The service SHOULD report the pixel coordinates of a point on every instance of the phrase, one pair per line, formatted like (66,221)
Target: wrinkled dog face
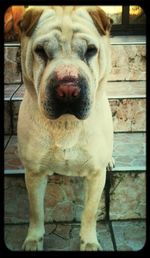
(65,58)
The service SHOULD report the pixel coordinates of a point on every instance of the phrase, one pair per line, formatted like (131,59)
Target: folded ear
(30,19)
(102,22)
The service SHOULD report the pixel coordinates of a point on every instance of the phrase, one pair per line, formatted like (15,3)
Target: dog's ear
(102,22)
(29,20)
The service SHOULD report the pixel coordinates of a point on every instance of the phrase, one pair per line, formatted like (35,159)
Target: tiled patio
(128,235)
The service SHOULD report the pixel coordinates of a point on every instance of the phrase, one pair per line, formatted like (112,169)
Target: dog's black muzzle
(69,95)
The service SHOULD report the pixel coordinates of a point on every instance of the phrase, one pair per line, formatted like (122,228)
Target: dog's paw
(111,165)
(33,245)
(90,246)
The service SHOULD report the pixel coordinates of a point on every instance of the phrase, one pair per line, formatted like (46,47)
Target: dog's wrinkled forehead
(62,14)
(66,20)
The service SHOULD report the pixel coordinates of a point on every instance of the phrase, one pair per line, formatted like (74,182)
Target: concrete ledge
(113,40)
(128,40)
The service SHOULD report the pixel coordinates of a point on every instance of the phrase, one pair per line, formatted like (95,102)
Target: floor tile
(129,235)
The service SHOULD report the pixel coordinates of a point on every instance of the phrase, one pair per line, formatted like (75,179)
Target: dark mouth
(68,96)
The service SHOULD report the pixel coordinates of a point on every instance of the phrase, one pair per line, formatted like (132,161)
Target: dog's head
(65,56)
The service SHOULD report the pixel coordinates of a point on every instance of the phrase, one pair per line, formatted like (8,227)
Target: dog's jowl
(65,56)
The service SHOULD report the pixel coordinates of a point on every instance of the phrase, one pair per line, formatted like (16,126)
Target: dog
(65,122)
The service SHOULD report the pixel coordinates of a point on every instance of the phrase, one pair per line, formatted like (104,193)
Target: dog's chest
(70,161)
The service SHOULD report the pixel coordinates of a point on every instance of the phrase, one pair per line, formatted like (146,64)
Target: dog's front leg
(36,185)
(93,189)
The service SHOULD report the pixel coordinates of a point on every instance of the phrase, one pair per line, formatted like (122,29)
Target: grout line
(112,235)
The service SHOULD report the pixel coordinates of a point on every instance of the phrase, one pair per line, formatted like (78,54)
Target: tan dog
(65,122)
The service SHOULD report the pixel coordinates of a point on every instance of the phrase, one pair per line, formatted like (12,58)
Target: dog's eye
(90,52)
(41,52)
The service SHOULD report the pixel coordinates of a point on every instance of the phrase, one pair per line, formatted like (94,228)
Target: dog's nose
(67,91)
